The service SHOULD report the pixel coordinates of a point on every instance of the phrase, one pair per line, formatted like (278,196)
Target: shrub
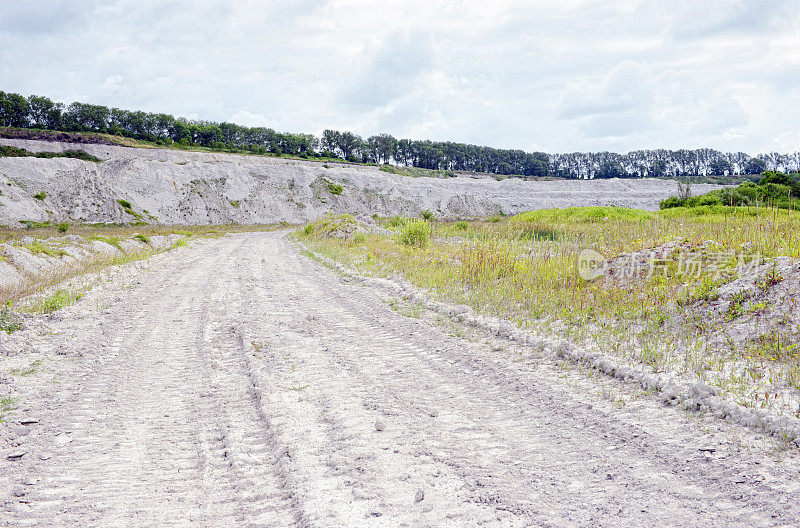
(125,204)
(426,214)
(308,230)
(63,227)
(40,195)
(141,238)
(415,233)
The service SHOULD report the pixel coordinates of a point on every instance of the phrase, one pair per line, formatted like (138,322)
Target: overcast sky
(556,76)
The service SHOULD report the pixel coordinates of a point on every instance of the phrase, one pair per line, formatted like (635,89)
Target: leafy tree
(14,110)
(44,113)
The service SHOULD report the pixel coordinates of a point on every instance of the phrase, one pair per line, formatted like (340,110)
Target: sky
(552,76)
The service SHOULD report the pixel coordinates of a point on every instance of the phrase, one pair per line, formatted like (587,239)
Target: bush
(142,238)
(733,197)
(62,227)
(125,204)
(672,201)
(426,214)
(415,233)
(40,195)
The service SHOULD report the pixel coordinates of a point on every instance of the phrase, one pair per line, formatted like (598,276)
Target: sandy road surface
(238,383)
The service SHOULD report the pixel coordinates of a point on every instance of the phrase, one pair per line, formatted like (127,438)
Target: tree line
(42,113)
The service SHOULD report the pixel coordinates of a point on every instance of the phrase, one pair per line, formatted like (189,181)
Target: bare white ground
(238,383)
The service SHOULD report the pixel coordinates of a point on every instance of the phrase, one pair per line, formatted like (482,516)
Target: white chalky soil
(238,383)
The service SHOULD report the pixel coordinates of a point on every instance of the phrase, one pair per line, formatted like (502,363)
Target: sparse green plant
(142,238)
(461,225)
(7,322)
(125,204)
(6,406)
(110,240)
(27,371)
(235,203)
(40,195)
(308,230)
(63,227)
(426,214)
(335,188)
(53,302)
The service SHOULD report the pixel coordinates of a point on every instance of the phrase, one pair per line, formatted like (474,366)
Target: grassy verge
(524,269)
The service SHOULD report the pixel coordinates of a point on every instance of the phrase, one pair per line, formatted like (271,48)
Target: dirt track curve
(239,383)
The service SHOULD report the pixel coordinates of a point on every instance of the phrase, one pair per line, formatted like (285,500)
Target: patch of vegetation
(331,226)
(426,214)
(54,302)
(773,189)
(335,188)
(110,240)
(125,204)
(417,172)
(7,322)
(63,227)
(6,406)
(40,195)
(27,371)
(142,238)
(33,224)
(37,248)
(234,203)
(584,215)
(415,233)
(14,152)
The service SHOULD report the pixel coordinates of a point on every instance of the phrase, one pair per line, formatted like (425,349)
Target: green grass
(37,248)
(40,195)
(125,204)
(584,215)
(142,238)
(53,302)
(6,406)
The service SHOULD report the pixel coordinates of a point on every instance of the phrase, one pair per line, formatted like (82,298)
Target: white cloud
(554,76)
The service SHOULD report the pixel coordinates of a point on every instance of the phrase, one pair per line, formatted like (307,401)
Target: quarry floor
(236,382)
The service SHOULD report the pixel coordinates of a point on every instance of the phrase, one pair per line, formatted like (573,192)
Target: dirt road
(236,382)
